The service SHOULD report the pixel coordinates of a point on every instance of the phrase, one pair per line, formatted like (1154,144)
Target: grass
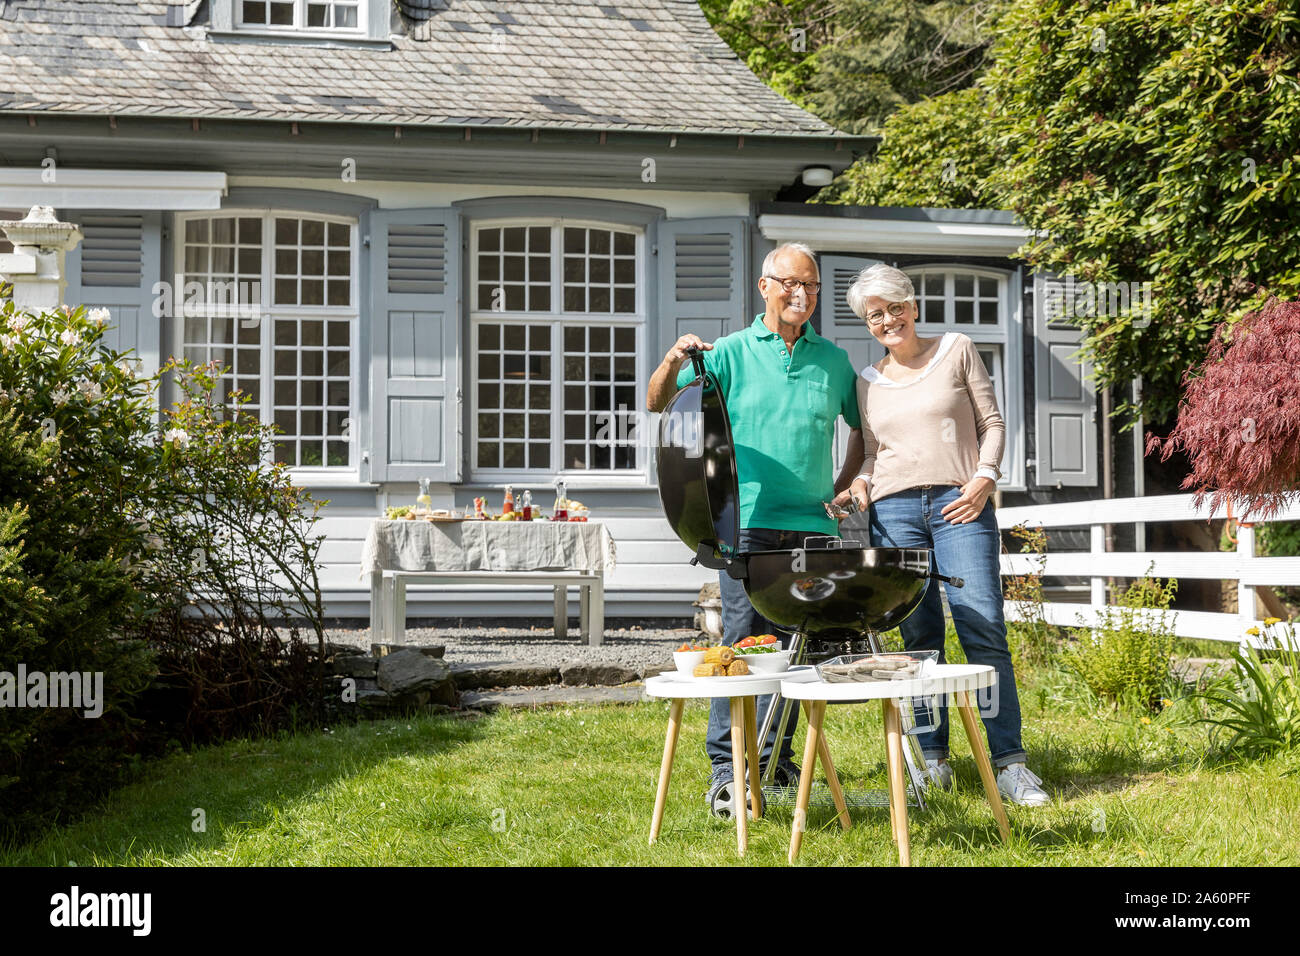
(576,787)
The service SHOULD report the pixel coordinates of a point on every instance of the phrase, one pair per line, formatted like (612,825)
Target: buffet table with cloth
(558,554)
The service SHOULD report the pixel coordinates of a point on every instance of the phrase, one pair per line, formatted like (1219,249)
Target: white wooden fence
(1098,564)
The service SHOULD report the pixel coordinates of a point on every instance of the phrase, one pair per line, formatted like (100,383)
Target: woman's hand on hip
(974,494)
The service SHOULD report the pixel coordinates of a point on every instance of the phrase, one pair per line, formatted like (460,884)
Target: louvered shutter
(116,266)
(1065,405)
(415,342)
(702,278)
(841,325)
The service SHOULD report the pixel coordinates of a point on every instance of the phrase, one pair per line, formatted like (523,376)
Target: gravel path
(521,640)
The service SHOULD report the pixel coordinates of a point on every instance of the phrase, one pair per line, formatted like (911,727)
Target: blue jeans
(740,620)
(914,519)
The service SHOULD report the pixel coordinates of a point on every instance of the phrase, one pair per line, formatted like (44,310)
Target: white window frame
(299,26)
(305,475)
(557,318)
(1008,333)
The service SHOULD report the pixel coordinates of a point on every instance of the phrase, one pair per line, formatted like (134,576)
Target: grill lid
(697,469)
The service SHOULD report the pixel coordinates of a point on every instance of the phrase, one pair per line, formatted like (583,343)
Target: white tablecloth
(487,546)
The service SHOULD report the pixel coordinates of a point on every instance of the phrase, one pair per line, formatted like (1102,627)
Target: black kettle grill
(838,592)
(830,587)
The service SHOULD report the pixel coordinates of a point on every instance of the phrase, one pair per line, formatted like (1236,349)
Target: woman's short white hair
(770,261)
(882,281)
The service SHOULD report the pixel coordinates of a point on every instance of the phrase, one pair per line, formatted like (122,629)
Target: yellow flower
(1253,631)
(1146,720)
(1270,621)
(1165,702)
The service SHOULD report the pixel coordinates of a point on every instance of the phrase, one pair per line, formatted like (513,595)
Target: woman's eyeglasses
(877,319)
(791,284)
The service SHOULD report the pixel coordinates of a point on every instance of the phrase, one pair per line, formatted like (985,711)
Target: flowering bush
(160,549)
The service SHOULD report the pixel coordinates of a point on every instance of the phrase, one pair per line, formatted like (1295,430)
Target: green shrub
(1031,639)
(165,552)
(1125,659)
(1258,703)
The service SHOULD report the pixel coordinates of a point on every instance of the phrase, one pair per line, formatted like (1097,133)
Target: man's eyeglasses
(791,284)
(877,319)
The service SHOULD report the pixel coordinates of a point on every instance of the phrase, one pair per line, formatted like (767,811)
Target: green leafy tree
(852,62)
(933,153)
(1153,142)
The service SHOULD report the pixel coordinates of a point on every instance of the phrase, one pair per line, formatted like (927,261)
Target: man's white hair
(769,263)
(882,281)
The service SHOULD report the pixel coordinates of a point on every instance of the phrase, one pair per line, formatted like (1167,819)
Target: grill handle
(946,579)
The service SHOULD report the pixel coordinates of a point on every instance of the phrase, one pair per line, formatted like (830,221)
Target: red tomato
(767,639)
(746,642)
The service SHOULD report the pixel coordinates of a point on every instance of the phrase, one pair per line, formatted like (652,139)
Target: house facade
(451,240)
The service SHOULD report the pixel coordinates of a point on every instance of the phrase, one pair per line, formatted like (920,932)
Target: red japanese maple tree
(1239,421)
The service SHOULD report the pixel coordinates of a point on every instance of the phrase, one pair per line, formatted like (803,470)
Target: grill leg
(786,710)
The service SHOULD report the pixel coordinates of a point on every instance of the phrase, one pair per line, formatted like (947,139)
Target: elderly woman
(934,440)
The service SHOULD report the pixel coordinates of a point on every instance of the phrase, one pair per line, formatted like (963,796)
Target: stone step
(552,696)
(479,676)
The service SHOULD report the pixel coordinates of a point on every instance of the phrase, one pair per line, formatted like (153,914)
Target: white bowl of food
(764,655)
(687,659)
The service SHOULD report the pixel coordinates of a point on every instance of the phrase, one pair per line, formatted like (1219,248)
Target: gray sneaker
(940,773)
(1020,785)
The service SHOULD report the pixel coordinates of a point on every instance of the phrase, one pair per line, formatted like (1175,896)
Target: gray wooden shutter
(702,280)
(116,266)
(842,326)
(1065,405)
(415,344)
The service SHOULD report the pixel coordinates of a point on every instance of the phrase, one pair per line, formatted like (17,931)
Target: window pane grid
(599,270)
(956,298)
(313,262)
(514,269)
(312,14)
(598,397)
(305,360)
(514,396)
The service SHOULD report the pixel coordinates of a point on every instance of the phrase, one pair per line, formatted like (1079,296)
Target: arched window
(557,333)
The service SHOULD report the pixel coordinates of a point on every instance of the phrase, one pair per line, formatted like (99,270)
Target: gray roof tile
(631,64)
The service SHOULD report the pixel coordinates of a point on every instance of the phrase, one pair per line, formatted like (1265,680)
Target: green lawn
(576,787)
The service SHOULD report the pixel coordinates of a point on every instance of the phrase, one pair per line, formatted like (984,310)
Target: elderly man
(784,386)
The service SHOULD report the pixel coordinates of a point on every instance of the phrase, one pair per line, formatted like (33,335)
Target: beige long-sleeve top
(941,428)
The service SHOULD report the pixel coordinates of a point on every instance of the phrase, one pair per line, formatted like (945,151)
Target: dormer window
(309,15)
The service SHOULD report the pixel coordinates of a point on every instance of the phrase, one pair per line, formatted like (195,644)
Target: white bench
(388,597)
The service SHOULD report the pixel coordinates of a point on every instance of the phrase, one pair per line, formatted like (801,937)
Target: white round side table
(955,680)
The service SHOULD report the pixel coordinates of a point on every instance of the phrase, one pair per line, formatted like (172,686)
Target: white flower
(90,389)
(178,435)
(8,341)
(100,316)
(19,322)
(69,337)
(4,396)
(60,396)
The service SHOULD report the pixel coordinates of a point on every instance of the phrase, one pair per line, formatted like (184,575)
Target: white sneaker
(940,773)
(1018,784)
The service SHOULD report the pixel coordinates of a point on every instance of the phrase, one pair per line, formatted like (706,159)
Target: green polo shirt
(783,407)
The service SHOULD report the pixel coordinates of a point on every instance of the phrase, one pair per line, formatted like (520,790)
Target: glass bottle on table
(561,510)
(424,503)
(528,505)
(508,505)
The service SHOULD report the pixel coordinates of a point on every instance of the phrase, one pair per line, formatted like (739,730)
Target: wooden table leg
(751,757)
(897,791)
(893,818)
(982,761)
(596,611)
(738,772)
(666,766)
(815,715)
(377,606)
(832,778)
